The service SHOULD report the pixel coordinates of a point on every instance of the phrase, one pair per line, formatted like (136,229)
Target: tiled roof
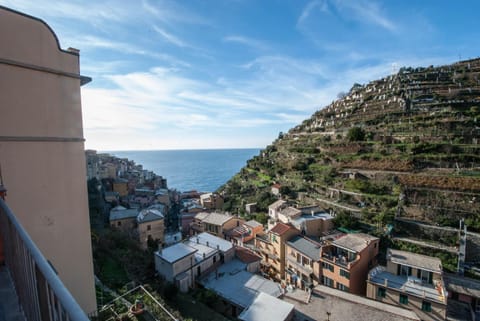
(281,228)
(306,246)
(246,256)
(355,242)
(217,218)
(415,260)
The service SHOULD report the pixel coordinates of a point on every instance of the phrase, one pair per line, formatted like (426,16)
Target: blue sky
(234,73)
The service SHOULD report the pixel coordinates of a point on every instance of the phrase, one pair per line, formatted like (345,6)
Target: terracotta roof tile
(281,228)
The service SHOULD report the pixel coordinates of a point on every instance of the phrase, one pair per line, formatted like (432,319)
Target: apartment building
(244,234)
(151,226)
(411,281)
(42,147)
(123,219)
(184,263)
(214,223)
(346,261)
(272,248)
(211,201)
(303,266)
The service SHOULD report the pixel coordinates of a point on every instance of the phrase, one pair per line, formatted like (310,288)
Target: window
(328,266)
(426,306)
(327,281)
(403,299)
(149,227)
(119,223)
(214,259)
(425,276)
(405,270)
(381,292)
(299,258)
(345,274)
(342,287)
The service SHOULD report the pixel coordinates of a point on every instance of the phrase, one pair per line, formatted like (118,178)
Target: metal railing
(40,291)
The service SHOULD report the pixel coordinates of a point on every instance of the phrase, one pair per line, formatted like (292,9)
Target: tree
(356,134)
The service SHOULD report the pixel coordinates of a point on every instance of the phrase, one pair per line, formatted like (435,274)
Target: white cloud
(256,44)
(169,37)
(366,11)
(312,5)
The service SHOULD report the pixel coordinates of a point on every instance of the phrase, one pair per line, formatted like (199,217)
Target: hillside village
(358,206)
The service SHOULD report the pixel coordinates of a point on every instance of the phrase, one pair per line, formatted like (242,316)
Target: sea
(203,170)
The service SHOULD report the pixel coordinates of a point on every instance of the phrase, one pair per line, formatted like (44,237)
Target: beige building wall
(152,229)
(42,148)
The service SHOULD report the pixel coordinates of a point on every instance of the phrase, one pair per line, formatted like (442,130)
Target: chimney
(207,243)
(313,213)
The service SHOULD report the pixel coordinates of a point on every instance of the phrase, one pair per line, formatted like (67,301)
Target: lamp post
(328,316)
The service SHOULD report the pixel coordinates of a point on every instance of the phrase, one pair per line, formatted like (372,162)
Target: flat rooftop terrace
(346,306)
(410,285)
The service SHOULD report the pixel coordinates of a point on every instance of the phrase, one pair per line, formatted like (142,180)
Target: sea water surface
(185,170)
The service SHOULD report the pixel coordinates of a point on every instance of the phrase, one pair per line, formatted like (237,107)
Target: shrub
(356,134)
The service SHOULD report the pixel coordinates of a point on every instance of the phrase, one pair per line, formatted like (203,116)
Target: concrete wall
(42,148)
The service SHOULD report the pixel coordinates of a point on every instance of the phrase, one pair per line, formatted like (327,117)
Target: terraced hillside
(404,146)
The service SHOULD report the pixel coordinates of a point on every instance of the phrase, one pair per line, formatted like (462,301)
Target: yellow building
(42,152)
(411,281)
(272,248)
(151,226)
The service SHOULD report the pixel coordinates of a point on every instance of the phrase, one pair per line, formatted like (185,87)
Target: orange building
(347,260)
(272,248)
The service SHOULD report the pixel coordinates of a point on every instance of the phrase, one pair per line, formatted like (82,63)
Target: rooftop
(410,285)
(211,241)
(423,262)
(462,285)
(253,223)
(354,242)
(267,307)
(214,218)
(277,204)
(121,214)
(308,247)
(281,228)
(346,306)
(290,211)
(232,282)
(246,256)
(149,215)
(175,252)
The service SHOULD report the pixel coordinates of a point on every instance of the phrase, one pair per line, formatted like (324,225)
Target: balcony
(40,292)
(303,267)
(342,258)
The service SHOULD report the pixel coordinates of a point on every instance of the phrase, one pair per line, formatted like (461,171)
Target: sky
(234,73)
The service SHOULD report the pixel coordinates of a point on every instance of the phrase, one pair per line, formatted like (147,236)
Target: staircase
(10,309)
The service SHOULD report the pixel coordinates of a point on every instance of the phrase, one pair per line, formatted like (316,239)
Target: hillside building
(411,281)
(347,260)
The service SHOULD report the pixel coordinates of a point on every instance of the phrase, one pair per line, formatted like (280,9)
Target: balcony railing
(40,291)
